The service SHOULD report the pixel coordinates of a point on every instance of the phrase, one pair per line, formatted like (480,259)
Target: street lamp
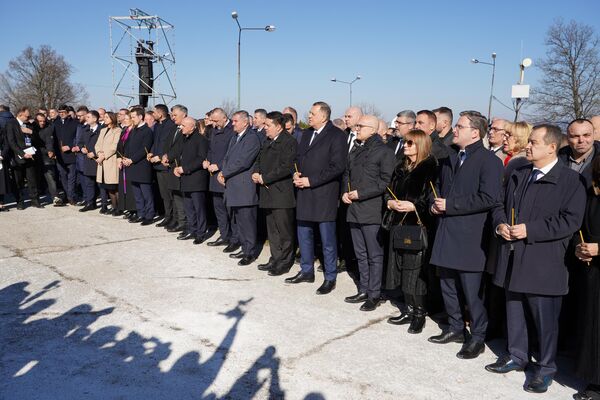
(493,64)
(347,83)
(268,28)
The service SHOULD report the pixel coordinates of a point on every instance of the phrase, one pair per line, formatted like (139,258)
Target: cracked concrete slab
(93,307)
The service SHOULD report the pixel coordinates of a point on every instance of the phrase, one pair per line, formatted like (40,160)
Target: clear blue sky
(410,54)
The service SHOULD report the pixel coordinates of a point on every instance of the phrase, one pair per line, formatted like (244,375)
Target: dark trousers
(68,178)
(346,250)
(368,247)
(195,212)
(307,247)
(244,220)
(165,194)
(88,185)
(28,171)
(179,208)
(50,178)
(545,311)
(144,199)
(451,281)
(222,216)
(280,230)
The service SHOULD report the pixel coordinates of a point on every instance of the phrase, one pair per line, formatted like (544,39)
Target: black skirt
(587,366)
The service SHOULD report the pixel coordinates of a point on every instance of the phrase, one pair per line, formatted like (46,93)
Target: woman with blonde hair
(515,141)
(107,174)
(408,210)
(126,199)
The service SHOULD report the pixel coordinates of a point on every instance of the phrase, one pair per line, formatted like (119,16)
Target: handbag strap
(416,213)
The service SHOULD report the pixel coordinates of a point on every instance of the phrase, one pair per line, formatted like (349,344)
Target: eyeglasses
(459,127)
(409,143)
(403,123)
(492,129)
(359,126)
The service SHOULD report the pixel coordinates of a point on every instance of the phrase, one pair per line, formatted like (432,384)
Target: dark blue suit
(460,244)
(533,270)
(163,137)
(323,162)
(219,143)
(64,135)
(88,140)
(140,171)
(240,192)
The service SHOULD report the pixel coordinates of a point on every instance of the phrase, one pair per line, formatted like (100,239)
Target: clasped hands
(401,205)
(300,182)
(585,251)
(257,178)
(439,206)
(514,232)
(348,197)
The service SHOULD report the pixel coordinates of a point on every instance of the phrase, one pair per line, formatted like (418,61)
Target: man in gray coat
(240,192)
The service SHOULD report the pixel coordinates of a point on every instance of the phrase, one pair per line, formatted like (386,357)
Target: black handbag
(410,237)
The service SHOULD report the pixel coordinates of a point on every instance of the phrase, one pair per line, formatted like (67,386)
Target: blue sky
(409,54)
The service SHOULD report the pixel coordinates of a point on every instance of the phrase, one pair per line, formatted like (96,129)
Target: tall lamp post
(268,28)
(347,83)
(493,64)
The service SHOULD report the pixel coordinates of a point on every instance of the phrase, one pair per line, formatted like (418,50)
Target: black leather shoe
(246,260)
(300,277)
(146,222)
(404,318)
(539,384)
(591,392)
(418,322)
(185,236)
(200,239)
(471,349)
(231,247)
(266,266)
(448,337)
(278,271)
(370,305)
(219,242)
(239,254)
(503,365)
(357,298)
(87,207)
(326,287)
(80,203)
(104,210)
(135,220)
(20,205)
(177,228)
(36,204)
(164,222)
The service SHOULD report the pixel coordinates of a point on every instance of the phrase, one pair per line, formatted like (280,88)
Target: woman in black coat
(407,269)
(587,366)
(126,198)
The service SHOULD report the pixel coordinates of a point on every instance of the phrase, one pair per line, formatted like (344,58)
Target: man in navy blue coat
(65,129)
(241,195)
(322,155)
(469,186)
(219,143)
(139,170)
(544,206)
(87,143)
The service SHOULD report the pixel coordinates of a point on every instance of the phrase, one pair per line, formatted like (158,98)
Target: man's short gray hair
(181,108)
(409,114)
(242,113)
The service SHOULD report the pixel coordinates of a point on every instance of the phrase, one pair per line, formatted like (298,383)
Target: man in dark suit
(45,136)
(322,156)
(65,130)
(194,180)
(582,149)
(368,173)
(544,206)
(240,192)
(443,127)
(260,117)
(163,128)
(496,138)
(139,170)
(295,130)
(87,143)
(273,172)
(170,150)
(469,186)
(79,156)
(219,143)
(404,122)
(427,122)
(20,140)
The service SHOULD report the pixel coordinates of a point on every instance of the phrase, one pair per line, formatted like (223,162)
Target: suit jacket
(89,139)
(44,142)
(566,152)
(193,152)
(163,131)
(297,133)
(135,147)
(323,162)
(276,164)
(65,131)
(172,148)
(369,171)
(219,143)
(439,149)
(17,142)
(392,143)
(237,168)
(552,210)
(471,191)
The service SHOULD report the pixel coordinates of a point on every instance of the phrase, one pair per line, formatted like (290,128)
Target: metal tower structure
(143,58)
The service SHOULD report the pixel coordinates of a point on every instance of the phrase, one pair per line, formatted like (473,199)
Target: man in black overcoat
(87,143)
(65,130)
(47,164)
(543,207)
(469,186)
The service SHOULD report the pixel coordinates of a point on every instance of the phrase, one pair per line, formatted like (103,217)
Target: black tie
(461,158)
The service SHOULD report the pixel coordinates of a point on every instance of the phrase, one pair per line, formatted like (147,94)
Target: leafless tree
(229,106)
(40,78)
(370,109)
(570,87)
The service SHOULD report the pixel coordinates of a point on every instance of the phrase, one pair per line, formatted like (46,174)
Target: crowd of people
(495,223)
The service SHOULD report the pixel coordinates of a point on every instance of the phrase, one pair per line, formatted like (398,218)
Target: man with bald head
(596,123)
(582,148)
(368,173)
(427,122)
(193,180)
(351,118)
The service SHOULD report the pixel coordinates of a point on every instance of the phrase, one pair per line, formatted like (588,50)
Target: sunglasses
(409,143)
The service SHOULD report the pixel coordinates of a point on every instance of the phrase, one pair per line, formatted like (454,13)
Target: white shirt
(315,134)
(351,137)
(545,170)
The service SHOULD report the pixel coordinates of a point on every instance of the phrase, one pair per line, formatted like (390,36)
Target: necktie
(312,138)
(533,177)
(461,158)
(351,143)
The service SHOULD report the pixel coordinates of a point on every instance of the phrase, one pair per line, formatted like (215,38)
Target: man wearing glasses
(496,138)
(65,130)
(469,186)
(404,122)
